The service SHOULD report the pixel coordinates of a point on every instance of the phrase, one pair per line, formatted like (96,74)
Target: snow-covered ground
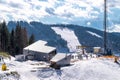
(69,36)
(92,69)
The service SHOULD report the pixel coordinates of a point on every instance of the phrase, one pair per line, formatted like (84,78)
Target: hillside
(92,69)
(64,36)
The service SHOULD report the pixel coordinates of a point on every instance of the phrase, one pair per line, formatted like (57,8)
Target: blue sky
(81,12)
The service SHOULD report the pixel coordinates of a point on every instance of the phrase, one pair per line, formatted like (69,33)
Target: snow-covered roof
(97,47)
(59,57)
(40,46)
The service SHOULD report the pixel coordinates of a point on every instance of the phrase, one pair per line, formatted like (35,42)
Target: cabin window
(44,57)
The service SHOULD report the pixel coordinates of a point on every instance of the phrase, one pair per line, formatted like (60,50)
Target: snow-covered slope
(94,34)
(69,36)
(65,37)
(92,69)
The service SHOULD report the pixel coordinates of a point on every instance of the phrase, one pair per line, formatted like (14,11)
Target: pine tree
(12,43)
(24,37)
(21,39)
(4,36)
(18,40)
(0,37)
(31,39)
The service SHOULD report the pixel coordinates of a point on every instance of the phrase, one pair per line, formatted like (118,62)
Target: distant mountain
(115,28)
(86,36)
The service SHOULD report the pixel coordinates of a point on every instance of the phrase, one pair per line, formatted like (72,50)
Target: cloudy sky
(80,12)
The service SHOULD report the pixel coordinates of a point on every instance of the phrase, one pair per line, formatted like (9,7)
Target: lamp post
(105,24)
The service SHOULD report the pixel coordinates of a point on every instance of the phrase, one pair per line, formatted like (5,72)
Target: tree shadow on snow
(117,63)
(45,73)
(59,72)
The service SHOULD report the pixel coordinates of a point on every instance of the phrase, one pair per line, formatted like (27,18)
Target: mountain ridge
(86,36)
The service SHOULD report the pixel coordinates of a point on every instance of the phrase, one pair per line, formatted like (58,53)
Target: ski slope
(69,36)
(92,69)
(94,34)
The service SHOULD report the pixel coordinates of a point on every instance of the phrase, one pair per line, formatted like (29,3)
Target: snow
(69,36)
(91,69)
(94,34)
(115,28)
(59,57)
(40,46)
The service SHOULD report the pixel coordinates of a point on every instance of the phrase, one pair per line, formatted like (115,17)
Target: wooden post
(115,59)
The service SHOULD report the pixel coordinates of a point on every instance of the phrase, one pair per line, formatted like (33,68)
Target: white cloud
(78,8)
(88,23)
(113,3)
(66,9)
(21,10)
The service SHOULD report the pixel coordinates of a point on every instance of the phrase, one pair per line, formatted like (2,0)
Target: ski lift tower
(81,49)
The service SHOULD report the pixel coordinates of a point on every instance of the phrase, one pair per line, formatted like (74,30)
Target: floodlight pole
(105,24)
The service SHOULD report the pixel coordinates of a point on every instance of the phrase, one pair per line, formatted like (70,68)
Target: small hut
(20,57)
(97,49)
(60,60)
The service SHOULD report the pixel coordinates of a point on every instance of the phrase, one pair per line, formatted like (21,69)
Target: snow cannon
(4,67)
